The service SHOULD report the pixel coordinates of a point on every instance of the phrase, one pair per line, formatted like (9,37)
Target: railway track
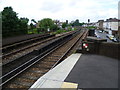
(12,49)
(24,49)
(28,75)
(9,47)
(16,65)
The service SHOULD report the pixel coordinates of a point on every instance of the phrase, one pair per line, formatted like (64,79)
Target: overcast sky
(64,9)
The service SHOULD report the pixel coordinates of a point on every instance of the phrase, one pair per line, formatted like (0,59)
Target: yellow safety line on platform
(69,85)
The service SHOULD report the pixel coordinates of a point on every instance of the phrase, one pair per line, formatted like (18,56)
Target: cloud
(52,7)
(64,9)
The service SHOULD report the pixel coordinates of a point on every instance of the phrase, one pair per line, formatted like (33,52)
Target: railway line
(14,45)
(29,71)
(17,62)
(22,48)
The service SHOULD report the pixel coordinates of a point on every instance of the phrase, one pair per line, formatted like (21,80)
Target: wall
(110,50)
(107,49)
(101,25)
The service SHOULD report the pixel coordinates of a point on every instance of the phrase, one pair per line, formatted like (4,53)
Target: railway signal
(88,20)
(85,46)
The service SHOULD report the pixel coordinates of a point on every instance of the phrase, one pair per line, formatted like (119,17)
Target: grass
(63,31)
(91,27)
(34,31)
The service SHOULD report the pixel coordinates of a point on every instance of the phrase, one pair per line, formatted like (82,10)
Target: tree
(56,22)
(64,25)
(54,27)
(9,20)
(76,23)
(11,24)
(32,27)
(82,24)
(46,23)
(33,20)
(23,25)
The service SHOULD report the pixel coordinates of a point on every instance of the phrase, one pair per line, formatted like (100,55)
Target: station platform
(81,71)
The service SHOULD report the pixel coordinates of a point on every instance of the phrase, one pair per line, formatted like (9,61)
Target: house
(37,24)
(111,24)
(100,24)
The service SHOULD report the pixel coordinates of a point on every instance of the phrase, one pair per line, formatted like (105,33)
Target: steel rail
(32,61)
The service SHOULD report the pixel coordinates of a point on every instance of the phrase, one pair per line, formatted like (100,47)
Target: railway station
(58,44)
(75,59)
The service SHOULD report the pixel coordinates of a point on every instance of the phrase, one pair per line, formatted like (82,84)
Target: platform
(11,40)
(81,71)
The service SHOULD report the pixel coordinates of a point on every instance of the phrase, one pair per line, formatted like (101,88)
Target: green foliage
(11,24)
(77,23)
(63,31)
(82,24)
(91,27)
(23,27)
(70,29)
(33,20)
(31,26)
(54,27)
(64,25)
(34,31)
(47,23)
(60,31)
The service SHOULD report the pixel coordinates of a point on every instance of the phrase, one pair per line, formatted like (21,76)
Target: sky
(64,9)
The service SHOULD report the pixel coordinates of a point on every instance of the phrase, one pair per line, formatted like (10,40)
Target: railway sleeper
(41,68)
(24,84)
(15,86)
(39,72)
(29,74)
(31,77)
(47,60)
(51,58)
(55,55)
(48,63)
(24,80)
